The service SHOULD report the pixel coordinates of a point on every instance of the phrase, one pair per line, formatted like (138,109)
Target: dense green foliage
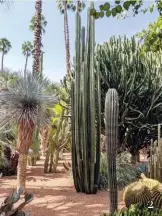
(122,7)
(151,36)
(137,80)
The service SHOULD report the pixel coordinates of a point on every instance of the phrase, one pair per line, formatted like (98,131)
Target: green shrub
(126,172)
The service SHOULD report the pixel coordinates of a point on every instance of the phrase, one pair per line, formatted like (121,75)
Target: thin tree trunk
(2,61)
(26,62)
(51,163)
(44,137)
(66,33)
(55,161)
(21,171)
(37,36)
(46,161)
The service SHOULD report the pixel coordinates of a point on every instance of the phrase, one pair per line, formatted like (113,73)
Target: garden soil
(55,195)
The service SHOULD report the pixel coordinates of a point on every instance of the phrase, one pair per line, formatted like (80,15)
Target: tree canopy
(151,36)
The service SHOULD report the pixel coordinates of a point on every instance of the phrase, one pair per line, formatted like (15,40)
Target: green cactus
(111,129)
(85,109)
(143,191)
(137,192)
(136,210)
(7,207)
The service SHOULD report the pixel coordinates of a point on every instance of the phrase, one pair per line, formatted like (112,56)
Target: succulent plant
(111,130)
(136,210)
(7,206)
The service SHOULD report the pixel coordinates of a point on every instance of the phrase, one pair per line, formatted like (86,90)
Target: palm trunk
(25,135)
(2,61)
(21,171)
(55,161)
(37,36)
(66,34)
(26,62)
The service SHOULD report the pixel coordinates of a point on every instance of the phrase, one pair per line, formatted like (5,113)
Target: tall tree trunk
(37,36)
(66,35)
(25,136)
(26,62)
(2,61)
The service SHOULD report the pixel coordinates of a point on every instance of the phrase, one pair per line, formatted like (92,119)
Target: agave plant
(26,103)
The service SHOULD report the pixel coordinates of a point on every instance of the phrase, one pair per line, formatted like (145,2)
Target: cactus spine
(85,105)
(111,129)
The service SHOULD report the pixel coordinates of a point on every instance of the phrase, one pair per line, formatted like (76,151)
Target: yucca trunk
(37,36)
(66,35)
(25,136)
(21,171)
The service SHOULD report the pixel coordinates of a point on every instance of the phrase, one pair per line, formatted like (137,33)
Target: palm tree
(5,47)
(25,103)
(63,6)
(37,36)
(27,49)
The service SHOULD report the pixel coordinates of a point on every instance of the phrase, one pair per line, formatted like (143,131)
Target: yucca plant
(26,103)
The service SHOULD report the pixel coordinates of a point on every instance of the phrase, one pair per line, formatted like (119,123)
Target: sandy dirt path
(54,194)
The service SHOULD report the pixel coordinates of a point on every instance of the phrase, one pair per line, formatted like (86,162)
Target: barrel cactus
(111,130)
(135,193)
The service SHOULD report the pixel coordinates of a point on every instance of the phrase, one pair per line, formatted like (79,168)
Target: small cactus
(7,206)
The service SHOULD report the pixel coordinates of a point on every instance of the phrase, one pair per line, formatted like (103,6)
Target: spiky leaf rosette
(26,102)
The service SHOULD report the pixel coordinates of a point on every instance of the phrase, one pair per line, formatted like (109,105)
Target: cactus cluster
(85,109)
(7,206)
(122,67)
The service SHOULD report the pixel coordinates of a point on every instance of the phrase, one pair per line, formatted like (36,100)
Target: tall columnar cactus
(85,110)
(111,129)
(155,160)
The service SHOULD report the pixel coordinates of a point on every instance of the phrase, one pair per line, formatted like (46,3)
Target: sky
(14,25)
